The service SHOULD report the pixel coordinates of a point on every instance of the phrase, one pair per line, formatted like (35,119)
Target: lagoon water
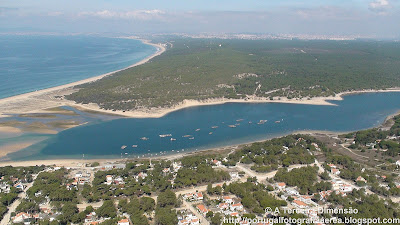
(103,139)
(29,63)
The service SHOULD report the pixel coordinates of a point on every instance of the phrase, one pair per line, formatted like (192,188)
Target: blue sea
(30,63)
(104,138)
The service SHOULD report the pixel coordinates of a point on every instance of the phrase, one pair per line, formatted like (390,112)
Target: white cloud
(136,14)
(379,6)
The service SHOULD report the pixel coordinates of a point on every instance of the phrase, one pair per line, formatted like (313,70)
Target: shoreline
(187,103)
(9,100)
(173,156)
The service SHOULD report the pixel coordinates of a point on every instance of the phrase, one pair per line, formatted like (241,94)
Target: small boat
(165,135)
(239,120)
(187,135)
(173,139)
(214,127)
(144,138)
(197,129)
(250,122)
(237,124)
(210,133)
(262,121)
(134,146)
(192,138)
(232,126)
(278,121)
(126,153)
(123,146)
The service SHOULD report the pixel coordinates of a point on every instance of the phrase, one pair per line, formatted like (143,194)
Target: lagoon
(104,139)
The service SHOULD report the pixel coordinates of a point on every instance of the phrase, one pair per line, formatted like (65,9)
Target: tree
(166,198)
(107,209)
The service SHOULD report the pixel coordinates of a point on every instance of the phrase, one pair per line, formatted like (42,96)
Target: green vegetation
(304,178)
(270,154)
(254,196)
(378,138)
(210,68)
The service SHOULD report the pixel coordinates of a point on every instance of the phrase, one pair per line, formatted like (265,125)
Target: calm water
(104,139)
(29,63)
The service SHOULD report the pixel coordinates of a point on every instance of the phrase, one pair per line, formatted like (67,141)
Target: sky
(375,18)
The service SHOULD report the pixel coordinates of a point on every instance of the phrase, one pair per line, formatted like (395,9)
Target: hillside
(211,68)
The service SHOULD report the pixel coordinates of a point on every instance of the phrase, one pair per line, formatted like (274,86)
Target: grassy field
(211,68)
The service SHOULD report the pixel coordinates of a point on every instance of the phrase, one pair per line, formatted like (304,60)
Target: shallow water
(104,139)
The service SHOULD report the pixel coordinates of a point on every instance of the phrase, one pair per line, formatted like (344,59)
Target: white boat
(250,122)
(191,138)
(144,138)
(262,121)
(214,127)
(210,133)
(188,135)
(239,120)
(173,139)
(197,129)
(165,135)
(134,146)
(232,126)
(123,146)
(278,121)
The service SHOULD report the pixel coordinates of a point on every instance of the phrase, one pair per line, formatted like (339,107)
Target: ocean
(30,63)
(192,128)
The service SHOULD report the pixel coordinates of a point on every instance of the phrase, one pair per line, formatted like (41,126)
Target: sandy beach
(38,101)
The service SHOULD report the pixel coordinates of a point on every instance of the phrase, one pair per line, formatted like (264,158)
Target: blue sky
(333,17)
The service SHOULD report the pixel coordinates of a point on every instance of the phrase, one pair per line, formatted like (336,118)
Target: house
(299,204)
(360,178)
(19,186)
(202,209)
(234,175)
(216,162)
(198,196)
(335,171)
(346,188)
(227,199)
(176,166)
(280,186)
(234,214)
(109,179)
(332,165)
(123,222)
(21,217)
(236,207)
(324,194)
(398,163)
(223,206)
(291,192)
(166,170)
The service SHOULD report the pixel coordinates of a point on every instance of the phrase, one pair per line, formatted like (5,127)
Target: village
(222,191)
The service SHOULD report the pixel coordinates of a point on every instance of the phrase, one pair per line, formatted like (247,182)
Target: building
(123,222)
(21,217)
(280,186)
(227,199)
(335,171)
(202,209)
(299,204)
(236,207)
(360,178)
